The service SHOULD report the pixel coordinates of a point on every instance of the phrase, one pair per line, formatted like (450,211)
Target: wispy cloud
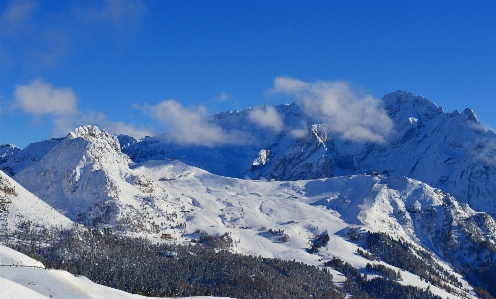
(191,125)
(300,132)
(29,42)
(118,13)
(34,36)
(41,99)
(267,118)
(354,117)
(15,19)
(224,96)
(116,127)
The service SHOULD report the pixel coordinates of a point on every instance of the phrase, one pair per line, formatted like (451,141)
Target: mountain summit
(87,178)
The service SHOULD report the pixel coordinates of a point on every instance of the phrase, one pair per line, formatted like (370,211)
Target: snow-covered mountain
(429,186)
(87,178)
(19,207)
(167,197)
(450,151)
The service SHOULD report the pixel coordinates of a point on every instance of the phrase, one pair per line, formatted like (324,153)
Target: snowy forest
(208,267)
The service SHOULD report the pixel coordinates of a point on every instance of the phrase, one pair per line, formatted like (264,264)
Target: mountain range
(428,185)
(450,151)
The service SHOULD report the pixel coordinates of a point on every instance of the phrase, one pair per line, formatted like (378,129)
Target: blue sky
(111,63)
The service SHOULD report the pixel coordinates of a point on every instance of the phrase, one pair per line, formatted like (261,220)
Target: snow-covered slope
(258,213)
(19,207)
(450,151)
(23,277)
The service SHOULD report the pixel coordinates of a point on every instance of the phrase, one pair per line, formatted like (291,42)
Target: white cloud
(190,125)
(289,85)
(41,98)
(266,118)
(354,117)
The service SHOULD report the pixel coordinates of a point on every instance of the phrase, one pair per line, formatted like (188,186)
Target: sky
(145,67)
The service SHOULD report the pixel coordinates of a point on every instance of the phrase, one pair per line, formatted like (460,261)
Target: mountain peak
(8,146)
(470,115)
(405,104)
(7,151)
(86,132)
(93,133)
